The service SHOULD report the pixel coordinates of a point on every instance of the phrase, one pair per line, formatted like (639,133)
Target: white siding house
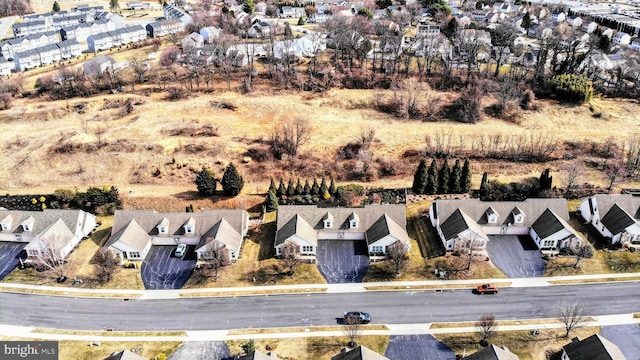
(614,217)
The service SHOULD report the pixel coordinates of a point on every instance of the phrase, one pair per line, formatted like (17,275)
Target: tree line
(429,180)
(232,182)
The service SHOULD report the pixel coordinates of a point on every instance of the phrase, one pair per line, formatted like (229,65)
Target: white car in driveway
(181,250)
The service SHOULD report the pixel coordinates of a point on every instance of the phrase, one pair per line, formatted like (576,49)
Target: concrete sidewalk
(223,335)
(330,288)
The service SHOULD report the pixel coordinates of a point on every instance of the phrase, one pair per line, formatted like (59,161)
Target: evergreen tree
(420,178)
(300,21)
(455,186)
(465,181)
(315,188)
(288,34)
(272,187)
(298,189)
(291,188)
(443,178)
(56,7)
(271,202)
(323,188)
(483,182)
(113,5)
(527,22)
(205,182)
(332,187)
(249,7)
(432,178)
(306,190)
(232,181)
(545,180)
(281,189)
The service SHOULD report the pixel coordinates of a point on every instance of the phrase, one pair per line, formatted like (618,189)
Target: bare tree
(140,66)
(99,132)
(290,257)
(290,136)
(48,254)
(502,38)
(105,265)
(615,170)
(397,256)
(366,137)
(487,326)
(214,257)
(352,329)
(583,252)
(572,314)
(572,174)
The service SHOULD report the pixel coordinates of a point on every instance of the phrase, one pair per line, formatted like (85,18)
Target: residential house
(574,21)
(137,5)
(210,33)
(60,22)
(70,48)
(463,20)
(504,8)
(259,30)
(99,42)
(28,28)
(135,231)
(305,46)
(358,353)
(79,32)
(6,67)
(56,230)
(593,347)
(615,217)
(558,16)
(588,26)
(468,223)
(621,38)
(26,60)
(608,32)
(49,54)
(173,13)
(292,12)
(125,355)
(378,225)
(98,65)
(635,44)
(428,30)
(12,46)
(117,20)
(319,17)
(493,352)
(163,28)
(102,26)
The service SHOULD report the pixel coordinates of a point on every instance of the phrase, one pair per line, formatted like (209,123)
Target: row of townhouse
(117,37)
(78,32)
(162,28)
(46,55)
(37,23)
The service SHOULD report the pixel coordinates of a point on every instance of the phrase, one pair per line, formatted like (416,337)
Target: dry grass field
(84,142)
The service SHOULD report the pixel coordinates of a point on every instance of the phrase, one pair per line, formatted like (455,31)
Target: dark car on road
(357,317)
(487,289)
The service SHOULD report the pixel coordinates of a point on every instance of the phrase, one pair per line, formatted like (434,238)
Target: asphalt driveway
(342,261)
(417,347)
(627,337)
(202,350)
(162,270)
(9,256)
(517,256)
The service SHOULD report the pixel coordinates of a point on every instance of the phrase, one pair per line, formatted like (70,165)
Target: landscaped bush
(572,88)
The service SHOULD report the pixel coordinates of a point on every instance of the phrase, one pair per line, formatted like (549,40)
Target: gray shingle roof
(296,226)
(595,347)
(626,202)
(126,355)
(41,219)
(314,217)
(616,219)
(493,352)
(458,222)
(359,353)
(548,224)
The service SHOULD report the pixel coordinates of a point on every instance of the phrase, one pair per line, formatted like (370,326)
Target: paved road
(393,307)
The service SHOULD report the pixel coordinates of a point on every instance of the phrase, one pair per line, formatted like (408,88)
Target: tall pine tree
(291,188)
(455,180)
(323,187)
(315,188)
(205,182)
(272,187)
(232,181)
(271,202)
(443,178)
(420,178)
(332,187)
(465,181)
(281,189)
(432,178)
(306,190)
(298,189)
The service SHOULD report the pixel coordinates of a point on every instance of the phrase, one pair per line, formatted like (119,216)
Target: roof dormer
(5,224)
(27,224)
(492,215)
(163,226)
(189,226)
(518,216)
(327,219)
(354,220)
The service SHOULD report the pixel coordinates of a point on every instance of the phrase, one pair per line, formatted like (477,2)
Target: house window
(26,227)
(519,218)
(377,249)
(162,230)
(493,219)
(134,255)
(548,243)
(307,249)
(188,229)
(33,252)
(18,237)
(354,224)
(327,224)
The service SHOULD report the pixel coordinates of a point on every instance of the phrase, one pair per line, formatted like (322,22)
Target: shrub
(572,88)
